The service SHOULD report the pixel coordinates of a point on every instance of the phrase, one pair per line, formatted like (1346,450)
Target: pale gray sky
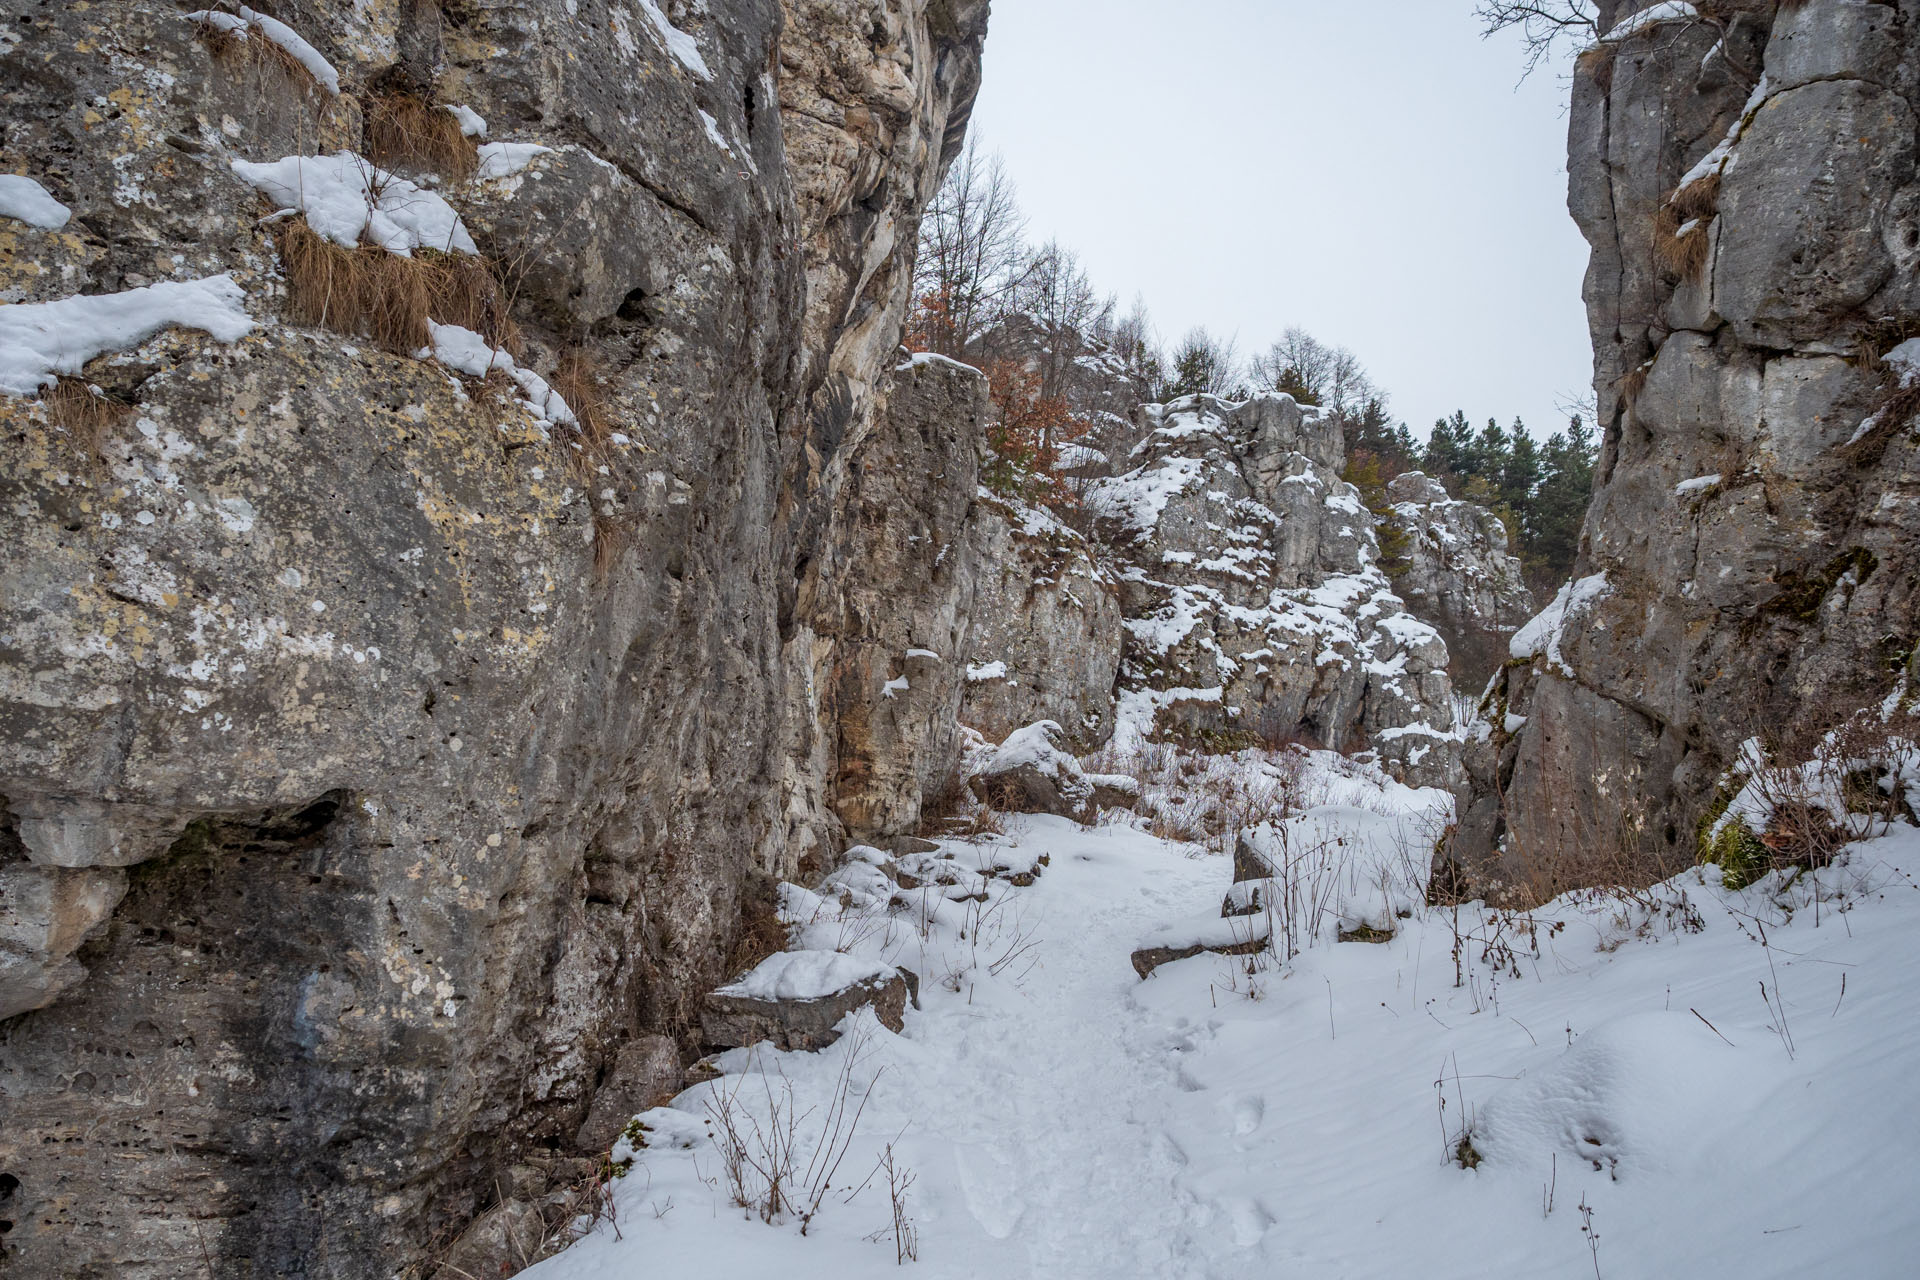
(1375,173)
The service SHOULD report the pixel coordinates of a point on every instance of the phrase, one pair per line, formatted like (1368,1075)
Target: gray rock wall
(376,761)
(1751,560)
(1047,628)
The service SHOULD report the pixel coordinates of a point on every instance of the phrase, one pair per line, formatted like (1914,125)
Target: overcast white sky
(1372,172)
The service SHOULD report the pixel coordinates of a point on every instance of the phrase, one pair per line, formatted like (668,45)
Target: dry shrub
(253,52)
(85,415)
(367,290)
(611,537)
(1853,784)
(404,129)
(1681,243)
(1632,383)
(578,382)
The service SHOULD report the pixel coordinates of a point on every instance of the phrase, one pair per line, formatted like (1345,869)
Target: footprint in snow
(990,1183)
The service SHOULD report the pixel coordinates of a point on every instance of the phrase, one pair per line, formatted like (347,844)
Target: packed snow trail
(1057,1095)
(1628,1092)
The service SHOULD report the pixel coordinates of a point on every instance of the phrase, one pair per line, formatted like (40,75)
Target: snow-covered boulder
(1032,773)
(1237,935)
(796,1000)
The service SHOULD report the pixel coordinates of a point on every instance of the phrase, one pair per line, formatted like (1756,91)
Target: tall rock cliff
(395,718)
(1750,565)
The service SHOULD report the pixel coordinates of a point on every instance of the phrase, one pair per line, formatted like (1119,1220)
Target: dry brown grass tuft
(1597,65)
(1698,199)
(404,129)
(577,379)
(611,537)
(367,290)
(253,53)
(1632,383)
(85,416)
(463,290)
(1681,243)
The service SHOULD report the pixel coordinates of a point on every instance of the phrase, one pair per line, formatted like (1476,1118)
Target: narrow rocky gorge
(497,538)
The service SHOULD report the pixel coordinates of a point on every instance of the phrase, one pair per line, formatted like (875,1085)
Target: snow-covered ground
(1690,1082)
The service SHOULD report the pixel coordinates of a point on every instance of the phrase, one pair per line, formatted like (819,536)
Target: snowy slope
(1064,1119)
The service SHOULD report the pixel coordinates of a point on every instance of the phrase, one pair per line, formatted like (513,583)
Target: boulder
(646,1074)
(796,1000)
(503,1241)
(1031,773)
(1237,935)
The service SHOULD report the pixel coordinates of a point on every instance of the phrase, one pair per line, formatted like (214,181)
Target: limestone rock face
(379,757)
(1751,560)
(1046,627)
(1255,601)
(1455,571)
(889,600)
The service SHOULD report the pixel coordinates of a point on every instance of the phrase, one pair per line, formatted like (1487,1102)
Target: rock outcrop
(386,746)
(886,603)
(1449,561)
(1046,626)
(1256,605)
(1750,564)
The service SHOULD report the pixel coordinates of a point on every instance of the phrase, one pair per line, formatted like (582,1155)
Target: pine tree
(1447,449)
(1559,505)
(1520,472)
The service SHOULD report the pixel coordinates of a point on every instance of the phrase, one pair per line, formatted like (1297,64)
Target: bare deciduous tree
(1542,23)
(1059,300)
(1134,340)
(1314,373)
(972,255)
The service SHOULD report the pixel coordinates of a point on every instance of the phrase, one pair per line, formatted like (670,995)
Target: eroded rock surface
(1046,627)
(1454,570)
(381,757)
(1751,560)
(1256,606)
